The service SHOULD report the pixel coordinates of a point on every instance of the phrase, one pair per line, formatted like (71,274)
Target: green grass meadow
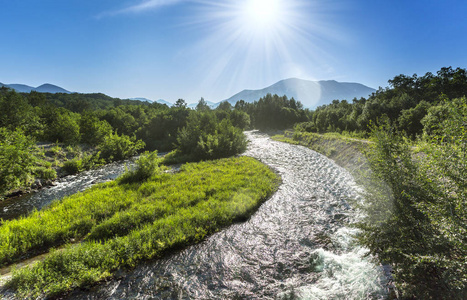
(118,224)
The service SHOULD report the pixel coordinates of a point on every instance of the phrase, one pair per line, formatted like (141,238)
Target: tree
(92,130)
(410,119)
(16,112)
(225,106)
(60,125)
(180,103)
(202,105)
(17,160)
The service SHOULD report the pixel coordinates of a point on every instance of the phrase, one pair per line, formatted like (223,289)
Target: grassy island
(146,213)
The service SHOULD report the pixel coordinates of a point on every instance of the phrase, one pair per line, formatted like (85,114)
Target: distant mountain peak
(310,93)
(50,88)
(45,88)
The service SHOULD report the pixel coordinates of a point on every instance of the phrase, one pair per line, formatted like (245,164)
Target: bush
(93,131)
(204,138)
(417,211)
(147,165)
(119,147)
(82,162)
(45,173)
(73,166)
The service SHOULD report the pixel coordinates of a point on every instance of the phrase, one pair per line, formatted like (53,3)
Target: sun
(249,42)
(262,13)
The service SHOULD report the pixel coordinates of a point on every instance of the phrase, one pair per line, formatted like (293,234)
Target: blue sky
(174,49)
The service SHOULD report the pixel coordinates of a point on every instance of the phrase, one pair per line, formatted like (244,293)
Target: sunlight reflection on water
(298,244)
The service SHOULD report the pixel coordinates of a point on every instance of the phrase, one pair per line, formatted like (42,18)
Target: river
(68,185)
(298,245)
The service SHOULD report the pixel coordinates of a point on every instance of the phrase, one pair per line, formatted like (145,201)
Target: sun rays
(251,43)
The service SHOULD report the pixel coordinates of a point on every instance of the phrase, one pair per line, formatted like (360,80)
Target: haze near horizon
(174,49)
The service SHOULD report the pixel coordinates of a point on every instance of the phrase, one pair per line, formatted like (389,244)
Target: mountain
(161,101)
(209,103)
(50,88)
(45,88)
(20,88)
(142,99)
(311,93)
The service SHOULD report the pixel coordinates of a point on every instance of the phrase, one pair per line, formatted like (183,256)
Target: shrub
(147,165)
(73,166)
(417,211)
(118,147)
(45,173)
(205,138)
(61,125)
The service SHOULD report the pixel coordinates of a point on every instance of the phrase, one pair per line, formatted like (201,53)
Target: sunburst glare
(262,14)
(272,40)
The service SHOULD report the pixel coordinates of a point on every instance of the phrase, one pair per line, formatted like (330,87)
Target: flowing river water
(298,245)
(20,206)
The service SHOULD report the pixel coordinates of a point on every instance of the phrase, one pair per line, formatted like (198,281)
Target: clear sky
(190,49)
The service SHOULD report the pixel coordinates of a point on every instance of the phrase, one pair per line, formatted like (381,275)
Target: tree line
(99,129)
(412,104)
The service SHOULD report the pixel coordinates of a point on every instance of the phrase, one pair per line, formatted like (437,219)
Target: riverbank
(124,222)
(53,161)
(345,151)
(45,163)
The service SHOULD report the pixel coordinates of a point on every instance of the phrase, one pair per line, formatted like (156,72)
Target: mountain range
(161,101)
(310,93)
(45,88)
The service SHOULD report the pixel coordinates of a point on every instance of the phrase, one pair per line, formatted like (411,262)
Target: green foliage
(60,125)
(73,166)
(205,137)
(417,211)
(119,147)
(93,131)
(17,160)
(273,112)
(240,119)
(83,161)
(405,103)
(16,113)
(122,224)
(45,173)
(123,119)
(160,132)
(202,105)
(437,115)
(224,106)
(180,103)
(147,166)
(410,119)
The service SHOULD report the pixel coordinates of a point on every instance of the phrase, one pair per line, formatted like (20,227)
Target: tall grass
(123,222)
